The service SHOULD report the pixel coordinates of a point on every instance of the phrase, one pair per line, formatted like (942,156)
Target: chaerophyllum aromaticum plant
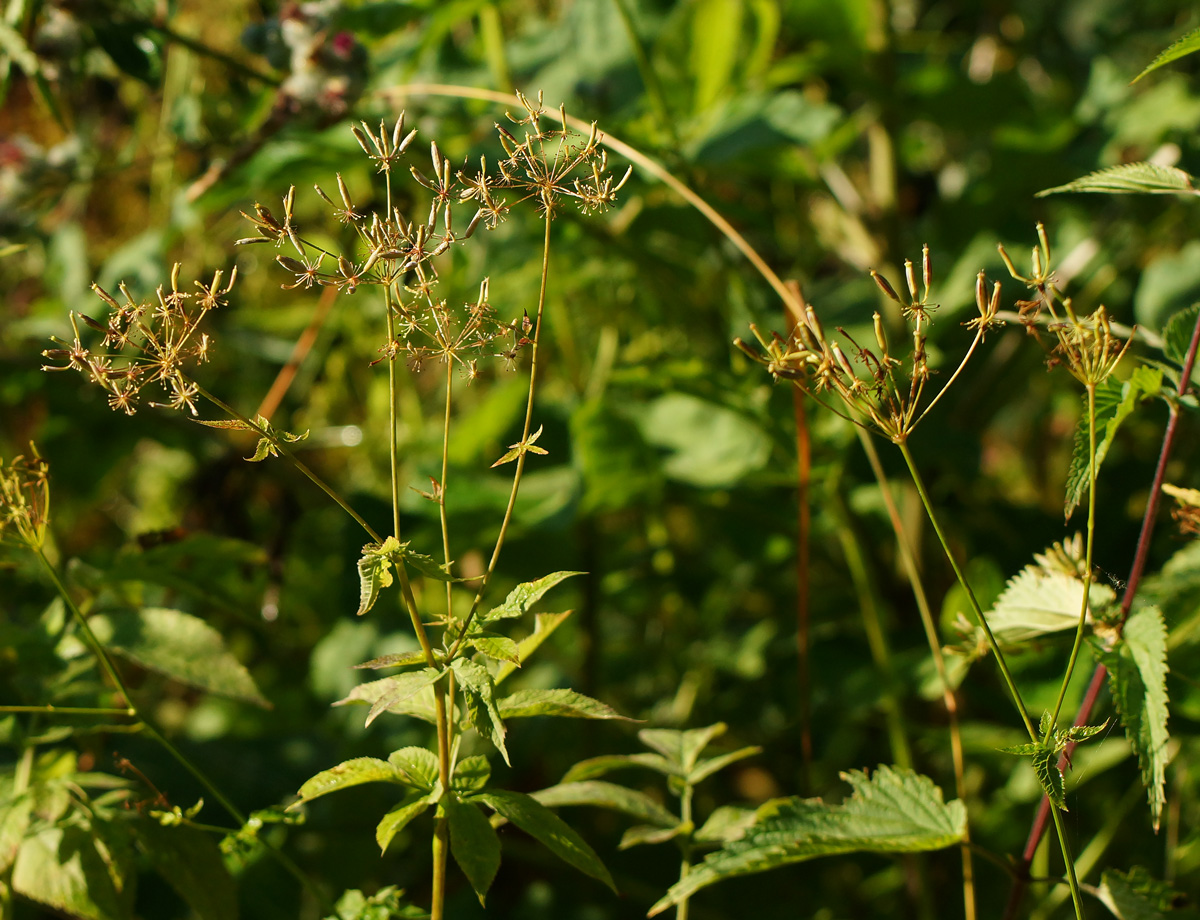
(465,650)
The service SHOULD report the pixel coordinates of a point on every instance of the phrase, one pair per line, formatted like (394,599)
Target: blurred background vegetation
(838,136)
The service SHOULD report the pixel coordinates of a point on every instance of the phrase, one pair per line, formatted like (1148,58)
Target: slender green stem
(966,586)
(51,709)
(1076,898)
(685,863)
(1091,531)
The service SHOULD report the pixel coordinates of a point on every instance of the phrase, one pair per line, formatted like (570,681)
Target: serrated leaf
(496,647)
(599,766)
(549,829)
(607,795)
(402,660)
(399,817)
(263,449)
(1078,733)
(232,423)
(346,774)
(681,748)
(1138,676)
(417,766)
(420,705)
(711,765)
(1181,47)
(1050,778)
(891,811)
(480,692)
(1115,401)
(729,822)
(562,703)
(1177,333)
(62,868)
(1136,895)
(645,834)
(1130,178)
(190,861)
(1036,602)
(374,573)
(524,596)
(1029,747)
(544,625)
(403,688)
(426,565)
(474,844)
(180,646)
(471,774)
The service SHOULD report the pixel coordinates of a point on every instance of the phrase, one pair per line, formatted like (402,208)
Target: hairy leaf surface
(1182,46)
(1130,178)
(480,692)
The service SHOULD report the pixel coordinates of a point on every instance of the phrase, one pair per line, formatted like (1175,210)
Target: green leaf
(471,774)
(892,811)
(599,766)
(1181,47)
(1115,401)
(1036,602)
(544,625)
(1077,733)
(644,834)
(395,820)
(524,596)
(426,565)
(374,573)
(1130,178)
(480,692)
(385,904)
(1045,767)
(417,766)
(521,447)
(403,687)
(711,765)
(1138,675)
(681,748)
(346,774)
(180,646)
(1177,333)
(729,822)
(563,703)
(549,829)
(715,46)
(61,867)
(1136,895)
(496,647)
(420,705)
(474,844)
(607,795)
(402,660)
(190,861)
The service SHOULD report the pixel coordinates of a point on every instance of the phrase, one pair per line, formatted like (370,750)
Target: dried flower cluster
(146,342)
(24,499)
(868,383)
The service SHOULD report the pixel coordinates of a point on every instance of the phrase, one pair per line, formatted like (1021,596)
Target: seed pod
(291,264)
(884,286)
(880,338)
(398,130)
(345,192)
(814,324)
(926,270)
(843,362)
(980,294)
(361,138)
(910,276)
(106,297)
(1037,262)
(408,139)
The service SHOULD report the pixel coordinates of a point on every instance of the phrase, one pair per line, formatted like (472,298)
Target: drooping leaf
(1115,401)
(599,766)
(544,625)
(1138,675)
(681,748)
(1185,45)
(420,705)
(524,596)
(418,766)
(61,867)
(403,687)
(892,811)
(480,692)
(1130,178)
(395,820)
(346,774)
(496,647)
(374,573)
(549,829)
(471,774)
(562,703)
(474,844)
(180,646)
(1177,333)
(607,795)
(191,863)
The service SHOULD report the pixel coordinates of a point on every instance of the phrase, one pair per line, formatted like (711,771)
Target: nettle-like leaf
(1037,602)
(1181,47)
(180,646)
(401,660)
(480,693)
(1045,754)
(495,646)
(524,596)
(891,811)
(375,569)
(1115,401)
(1136,895)
(607,795)
(1130,178)
(562,703)
(474,844)
(1137,669)
(349,773)
(420,705)
(401,815)
(403,687)
(547,828)
(544,625)
(1177,333)
(267,445)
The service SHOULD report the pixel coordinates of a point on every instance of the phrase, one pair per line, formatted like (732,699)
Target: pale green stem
(1076,898)
(966,586)
(685,864)
(51,709)
(1087,575)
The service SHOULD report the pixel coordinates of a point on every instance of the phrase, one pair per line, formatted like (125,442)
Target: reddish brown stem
(1040,822)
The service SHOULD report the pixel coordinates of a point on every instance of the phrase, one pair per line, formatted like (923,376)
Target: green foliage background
(838,137)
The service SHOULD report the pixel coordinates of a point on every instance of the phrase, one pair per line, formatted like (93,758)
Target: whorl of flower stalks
(24,499)
(870,387)
(145,342)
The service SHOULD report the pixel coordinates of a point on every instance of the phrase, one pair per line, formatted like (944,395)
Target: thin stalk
(51,709)
(908,560)
(1076,898)
(1091,532)
(685,863)
(516,483)
(966,586)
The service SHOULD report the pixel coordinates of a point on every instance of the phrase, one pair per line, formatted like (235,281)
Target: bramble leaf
(524,596)
(563,703)
(891,811)
(474,844)
(1130,178)
(1182,46)
(480,692)
(417,767)
(402,688)
(549,829)
(346,774)
(398,818)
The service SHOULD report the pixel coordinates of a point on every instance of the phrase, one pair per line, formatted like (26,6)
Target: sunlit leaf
(524,596)
(1182,46)
(418,766)
(562,703)
(1177,333)
(403,687)
(496,647)
(62,868)
(480,692)
(346,774)
(420,705)
(1130,178)
(607,795)
(471,774)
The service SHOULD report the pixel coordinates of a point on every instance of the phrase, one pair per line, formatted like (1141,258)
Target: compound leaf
(563,703)
(523,596)
(480,692)
(346,774)
(398,818)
